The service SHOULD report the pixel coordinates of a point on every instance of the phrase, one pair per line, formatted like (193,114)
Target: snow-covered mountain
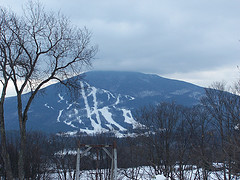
(107,102)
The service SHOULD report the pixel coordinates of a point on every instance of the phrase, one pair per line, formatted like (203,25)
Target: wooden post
(78,164)
(113,156)
(115,159)
(112,169)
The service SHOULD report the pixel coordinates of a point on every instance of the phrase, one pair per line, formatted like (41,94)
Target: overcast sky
(191,40)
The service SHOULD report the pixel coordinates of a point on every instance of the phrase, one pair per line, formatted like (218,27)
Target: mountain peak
(106,103)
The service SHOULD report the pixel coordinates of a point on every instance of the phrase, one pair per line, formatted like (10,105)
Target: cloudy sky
(191,40)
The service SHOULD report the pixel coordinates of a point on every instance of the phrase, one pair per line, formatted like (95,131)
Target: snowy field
(144,173)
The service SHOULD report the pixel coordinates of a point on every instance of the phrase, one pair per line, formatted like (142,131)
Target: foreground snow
(142,173)
(160,177)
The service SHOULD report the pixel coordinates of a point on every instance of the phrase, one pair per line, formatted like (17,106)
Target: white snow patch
(160,177)
(60,97)
(108,116)
(118,100)
(110,127)
(129,97)
(79,119)
(59,115)
(89,131)
(49,107)
(109,94)
(237,127)
(95,105)
(69,106)
(65,152)
(180,92)
(75,111)
(127,114)
(69,133)
(69,124)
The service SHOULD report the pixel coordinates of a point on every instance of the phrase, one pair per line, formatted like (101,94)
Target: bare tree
(6,40)
(200,140)
(37,48)
(224,108)
(161,123)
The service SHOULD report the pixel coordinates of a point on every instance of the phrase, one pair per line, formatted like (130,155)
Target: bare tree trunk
(22,128)
(5,154)
(21,159)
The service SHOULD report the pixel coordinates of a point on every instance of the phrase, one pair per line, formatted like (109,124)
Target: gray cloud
(171,38)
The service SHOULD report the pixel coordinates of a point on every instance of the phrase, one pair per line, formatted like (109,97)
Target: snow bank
(160,177)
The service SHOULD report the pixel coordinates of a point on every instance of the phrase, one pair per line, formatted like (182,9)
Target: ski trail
(117,101)
(109,94)
(128,118)
(60,97)
(59,115)
(108,116)
(95,105)
(95,126)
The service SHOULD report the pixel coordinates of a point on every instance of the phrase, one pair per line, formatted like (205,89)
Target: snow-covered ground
(123,174)
(145,173)
(160,177)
